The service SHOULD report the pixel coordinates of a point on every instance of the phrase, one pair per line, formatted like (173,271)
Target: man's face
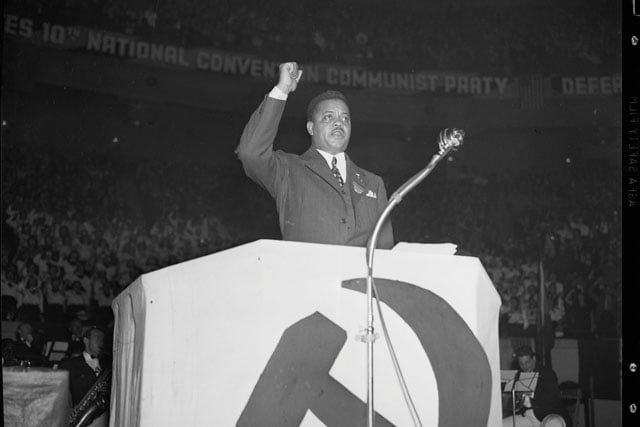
(75,327)
(527,363)
(25,331)
(331,126)
(94,344)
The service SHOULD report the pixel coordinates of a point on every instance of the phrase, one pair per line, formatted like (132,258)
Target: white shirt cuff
(278,94)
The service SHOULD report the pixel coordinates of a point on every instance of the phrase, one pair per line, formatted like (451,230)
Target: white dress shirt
(93,363)
(341,164)
(278,94)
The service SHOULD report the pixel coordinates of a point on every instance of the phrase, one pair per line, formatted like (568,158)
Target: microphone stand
(450,139)
(516,378)
(513,404)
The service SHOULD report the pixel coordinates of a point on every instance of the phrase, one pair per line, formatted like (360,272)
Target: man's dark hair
(328,94)
(524,350)
(90,329)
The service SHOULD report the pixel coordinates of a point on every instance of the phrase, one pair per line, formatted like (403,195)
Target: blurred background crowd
(80,240)
(526,37)
(81,224)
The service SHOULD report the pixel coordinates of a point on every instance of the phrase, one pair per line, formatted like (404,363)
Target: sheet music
(526,383)
(507,375)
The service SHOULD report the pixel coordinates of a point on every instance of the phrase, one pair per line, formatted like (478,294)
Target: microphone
(516,378)
(520,410)
(448,140)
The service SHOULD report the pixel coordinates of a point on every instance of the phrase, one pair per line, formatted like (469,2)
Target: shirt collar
(90,359)
(342,161)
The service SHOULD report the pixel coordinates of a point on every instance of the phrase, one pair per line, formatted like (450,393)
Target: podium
(266,334)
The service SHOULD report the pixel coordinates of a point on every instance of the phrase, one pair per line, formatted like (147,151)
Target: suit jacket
(31,353)
(81,377)
(547,396)
(311,205)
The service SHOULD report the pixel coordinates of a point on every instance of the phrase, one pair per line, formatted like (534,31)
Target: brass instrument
(523,401)
(94,403)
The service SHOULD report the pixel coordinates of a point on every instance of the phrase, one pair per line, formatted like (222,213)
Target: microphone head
(450,139)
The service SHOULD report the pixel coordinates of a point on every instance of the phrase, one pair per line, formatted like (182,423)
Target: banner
(531,89)
(591,85)
(279,340)
(161,54)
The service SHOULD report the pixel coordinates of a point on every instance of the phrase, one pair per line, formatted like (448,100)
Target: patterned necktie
(336,172)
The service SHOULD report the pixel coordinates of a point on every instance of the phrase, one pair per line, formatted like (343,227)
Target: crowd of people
(87,223)
(81,222)
(531,37)
(82,236)
(77,244)
(561,227)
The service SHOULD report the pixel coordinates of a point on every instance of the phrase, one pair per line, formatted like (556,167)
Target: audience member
(28,347)
(9,357)
(75,332)
(10,292)
(31,301)
(56,301)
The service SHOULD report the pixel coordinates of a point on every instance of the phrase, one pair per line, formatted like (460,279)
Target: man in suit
(85,368)
(544,408)
(321,196)
(28,345)
(75,335)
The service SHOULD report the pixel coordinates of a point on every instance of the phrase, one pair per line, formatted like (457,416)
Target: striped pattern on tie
(336,172)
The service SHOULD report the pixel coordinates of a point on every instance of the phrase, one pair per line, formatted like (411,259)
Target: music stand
(523,382)
(55,351)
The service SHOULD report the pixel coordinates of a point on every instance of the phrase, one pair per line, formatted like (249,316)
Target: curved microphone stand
(450,139)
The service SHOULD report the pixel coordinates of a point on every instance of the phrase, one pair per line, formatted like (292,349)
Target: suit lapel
(317,164)
(357,181)
(85,366)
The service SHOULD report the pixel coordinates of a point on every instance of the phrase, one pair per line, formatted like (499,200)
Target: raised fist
(290,75)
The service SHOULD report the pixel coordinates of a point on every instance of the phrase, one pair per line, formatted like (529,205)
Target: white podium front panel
(267,331)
